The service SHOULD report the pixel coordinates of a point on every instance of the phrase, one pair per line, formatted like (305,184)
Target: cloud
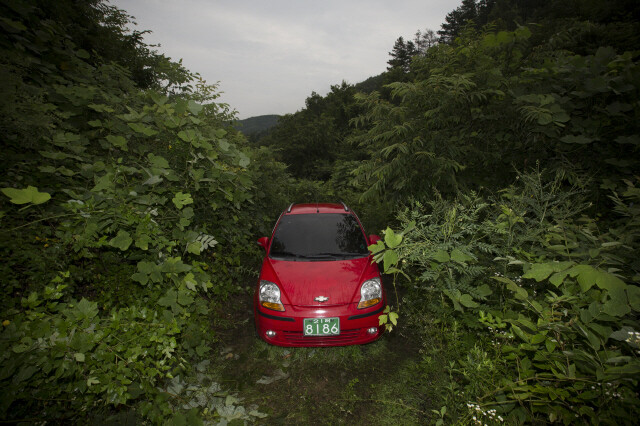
(270,55)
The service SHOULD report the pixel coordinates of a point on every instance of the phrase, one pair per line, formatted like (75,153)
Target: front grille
(297,337)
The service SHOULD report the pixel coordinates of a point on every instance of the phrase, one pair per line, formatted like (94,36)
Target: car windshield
(320,236)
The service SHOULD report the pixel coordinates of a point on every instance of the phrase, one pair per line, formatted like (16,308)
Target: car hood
(338,280)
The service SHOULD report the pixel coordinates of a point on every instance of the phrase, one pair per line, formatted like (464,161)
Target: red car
(318,285)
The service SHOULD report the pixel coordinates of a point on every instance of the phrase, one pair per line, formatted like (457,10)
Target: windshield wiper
(339,255)
(287,254)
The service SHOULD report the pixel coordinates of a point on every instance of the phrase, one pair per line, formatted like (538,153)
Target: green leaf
(79,357)
(28,195)
(467,301)
(391,239)
(87,309)
(390,259)
(174,265)
(194,247)
(558,278)
(158,161)
(588,276)
(190,282)
(623,334)
(455,297)
(538,338)
(377,247)
(520,292)
(550,345)
(577,139)
(441,256)
(633,292)
(393,317)
(540,271)
(170,300)
(140,277)
(154,179)
(617,305)
(194,107)
(243,160)
(484,290)
(184,298)
(122,241)
(118,142)
(382,319)
(142,129)
(607,281)
(103,182)
(459,256)
(224,145)
(142,241)
(180,199)
(518,332)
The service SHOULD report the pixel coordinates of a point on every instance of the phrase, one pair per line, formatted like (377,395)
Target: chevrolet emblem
(321,299)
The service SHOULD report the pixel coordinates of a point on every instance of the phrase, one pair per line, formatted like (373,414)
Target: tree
(425,40)
(455,20)
(401,54)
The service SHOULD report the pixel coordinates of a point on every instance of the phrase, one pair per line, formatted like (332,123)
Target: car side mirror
(264,242)
(373,239)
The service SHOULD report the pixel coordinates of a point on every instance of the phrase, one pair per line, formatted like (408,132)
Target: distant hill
(370,84)
(259,124)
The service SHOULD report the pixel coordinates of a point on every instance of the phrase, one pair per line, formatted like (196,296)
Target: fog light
(270,333)
(372,330)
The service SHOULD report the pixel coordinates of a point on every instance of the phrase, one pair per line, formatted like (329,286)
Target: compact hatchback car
(318,284)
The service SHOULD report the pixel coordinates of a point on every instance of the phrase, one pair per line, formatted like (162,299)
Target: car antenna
(317,208)
(289,209)
(346,209)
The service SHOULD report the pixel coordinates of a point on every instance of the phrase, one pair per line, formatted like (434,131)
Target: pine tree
(455,20)
(401,54)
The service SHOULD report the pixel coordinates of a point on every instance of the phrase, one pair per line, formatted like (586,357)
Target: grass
(376,384)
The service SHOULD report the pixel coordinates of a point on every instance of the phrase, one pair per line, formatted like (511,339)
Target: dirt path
(370,384)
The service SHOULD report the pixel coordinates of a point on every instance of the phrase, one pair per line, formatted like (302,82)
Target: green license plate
(321,326)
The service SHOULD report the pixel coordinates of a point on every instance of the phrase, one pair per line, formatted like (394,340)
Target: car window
(320,236)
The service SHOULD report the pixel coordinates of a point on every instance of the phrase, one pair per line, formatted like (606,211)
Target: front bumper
(288,325)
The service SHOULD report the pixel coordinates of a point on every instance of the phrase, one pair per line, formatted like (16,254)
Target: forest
(499,153)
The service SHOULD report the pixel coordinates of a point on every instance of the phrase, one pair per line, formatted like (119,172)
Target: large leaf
(441,256)
(174,265)
(520,292)
(142,129)
(458,256)
(87,309)
(28,195)
(617,305)
(390,259)
(540,271)
(194,107)
(377,247)
(158,161)
(180,199)
(122,241)
(391,239)
(588,276)
(118,142)
(170,300)
(467,301)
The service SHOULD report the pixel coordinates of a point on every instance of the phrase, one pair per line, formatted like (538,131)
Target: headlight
(269,296)
(370,293)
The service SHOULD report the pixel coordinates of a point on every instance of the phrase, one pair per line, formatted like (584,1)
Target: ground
(378,383)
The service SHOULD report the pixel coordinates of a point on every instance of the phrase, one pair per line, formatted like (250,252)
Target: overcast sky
(269,55)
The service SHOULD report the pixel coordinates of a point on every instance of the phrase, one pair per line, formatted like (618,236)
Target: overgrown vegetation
(505,156)
(128,209)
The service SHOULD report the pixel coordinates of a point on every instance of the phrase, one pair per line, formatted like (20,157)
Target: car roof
(317,208)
